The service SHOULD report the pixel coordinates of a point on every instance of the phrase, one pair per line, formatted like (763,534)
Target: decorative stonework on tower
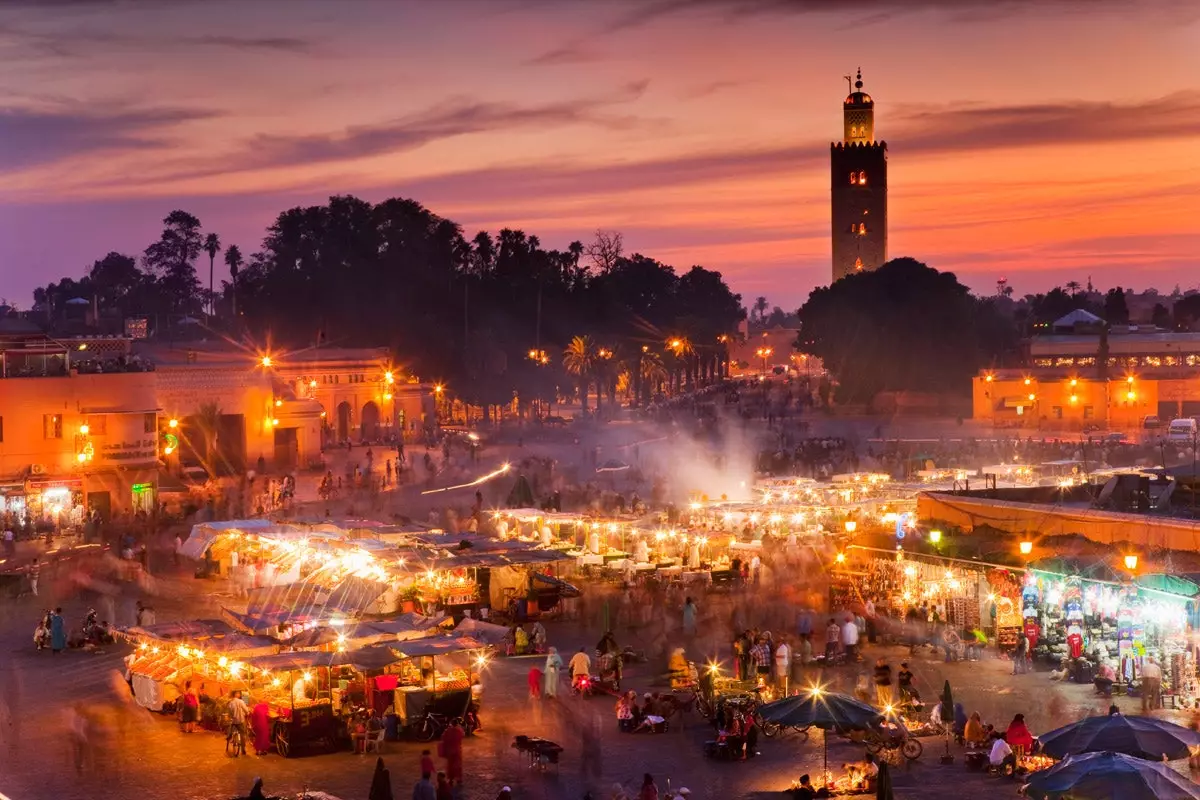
(858,167)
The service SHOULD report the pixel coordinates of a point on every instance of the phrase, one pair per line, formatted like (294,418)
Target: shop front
(55,502)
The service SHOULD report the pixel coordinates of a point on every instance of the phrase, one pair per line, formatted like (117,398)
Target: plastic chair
(376,743)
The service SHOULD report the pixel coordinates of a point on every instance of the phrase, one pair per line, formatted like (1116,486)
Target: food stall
(438,674)
(168,655)
(310,695)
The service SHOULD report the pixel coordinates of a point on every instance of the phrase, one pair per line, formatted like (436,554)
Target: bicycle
(235,742)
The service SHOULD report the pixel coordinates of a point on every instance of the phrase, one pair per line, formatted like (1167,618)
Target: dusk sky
(1039,140)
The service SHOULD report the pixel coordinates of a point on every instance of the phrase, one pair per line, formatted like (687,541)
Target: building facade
(236,410)
(1094,381)
(858,178)
(78,431)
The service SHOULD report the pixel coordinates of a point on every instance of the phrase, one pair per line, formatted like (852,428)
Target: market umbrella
(1140,737)
(381,783)
(820,709)
(947,715)
(883,782)
(1110,776)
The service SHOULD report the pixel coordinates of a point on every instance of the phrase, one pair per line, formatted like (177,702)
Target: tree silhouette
(465,312)
(233,260)
(212,246)
(903,326)
(579,359)
(172,259)
(1116,310)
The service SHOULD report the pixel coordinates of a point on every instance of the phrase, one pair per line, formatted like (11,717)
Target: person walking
(550,673)
(783,664)
(191,708)
(883,683)
(761,655)
(649,790)
(424,789)
(1019,654)
(689,617)
(904,680)
(850,638)
(833,638)
(1151,685)
(35,571)
(450,748)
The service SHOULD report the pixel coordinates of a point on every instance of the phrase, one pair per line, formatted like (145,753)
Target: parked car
(1181,430)
(1151,423)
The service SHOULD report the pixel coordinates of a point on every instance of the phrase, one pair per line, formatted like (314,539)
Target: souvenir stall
(956,589)
(1074,624)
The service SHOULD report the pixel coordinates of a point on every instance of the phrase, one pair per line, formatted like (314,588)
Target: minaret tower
(858,167)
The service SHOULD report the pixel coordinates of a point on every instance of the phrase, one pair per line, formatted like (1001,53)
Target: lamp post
(764,353)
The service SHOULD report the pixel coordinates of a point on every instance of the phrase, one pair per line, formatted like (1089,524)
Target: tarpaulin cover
(365,658)
(479,630)
(436,645)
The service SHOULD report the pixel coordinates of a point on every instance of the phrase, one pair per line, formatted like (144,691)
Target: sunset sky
(1039,140)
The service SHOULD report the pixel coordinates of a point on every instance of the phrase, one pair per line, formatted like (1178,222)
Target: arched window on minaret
(858,263)
(862,179)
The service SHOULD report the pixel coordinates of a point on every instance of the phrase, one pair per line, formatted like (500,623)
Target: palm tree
(654,374)
(212,246)
(233,260)
(1073,287)
(578,359)
(760,307)
(208,419)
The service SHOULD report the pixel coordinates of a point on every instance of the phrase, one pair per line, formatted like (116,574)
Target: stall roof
(399,629)
(264,622)
(1184,586)
(436,646)
(487,632)
(567,589)
(204,534)
(182,630)
(367,658)
(364,658)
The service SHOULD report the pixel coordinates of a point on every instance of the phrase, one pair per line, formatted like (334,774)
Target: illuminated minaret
(858,167)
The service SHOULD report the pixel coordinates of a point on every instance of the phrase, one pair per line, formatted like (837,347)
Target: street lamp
(265,361)
(764,353)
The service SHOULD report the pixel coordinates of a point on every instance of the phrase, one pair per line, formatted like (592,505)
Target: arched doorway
(343,421)
(370,421)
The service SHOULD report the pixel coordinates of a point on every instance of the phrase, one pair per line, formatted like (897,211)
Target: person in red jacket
(450,749)
(1018,736)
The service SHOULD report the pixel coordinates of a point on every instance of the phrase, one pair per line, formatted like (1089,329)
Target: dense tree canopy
(904,326)
(481,314)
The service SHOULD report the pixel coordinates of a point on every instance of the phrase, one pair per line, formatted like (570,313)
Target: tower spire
(858,80)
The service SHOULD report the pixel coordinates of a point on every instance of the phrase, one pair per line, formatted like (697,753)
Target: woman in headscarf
(58,632)
(535,683)
(974,733)
(960,721)
(554,663)
(1018,736)
(260,724)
